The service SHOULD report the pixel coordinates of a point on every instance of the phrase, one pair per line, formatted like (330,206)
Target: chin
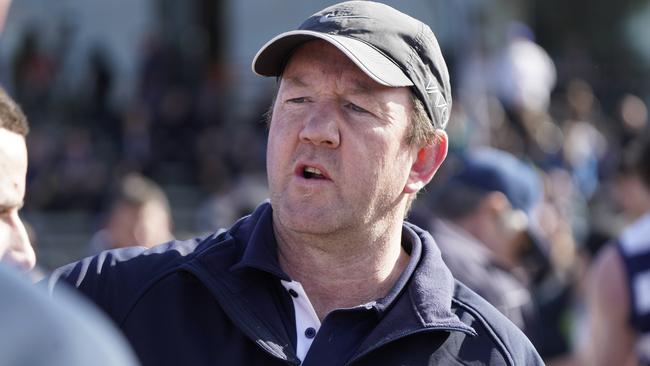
(304,218)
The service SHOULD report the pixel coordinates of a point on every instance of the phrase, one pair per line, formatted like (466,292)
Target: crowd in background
(179,130)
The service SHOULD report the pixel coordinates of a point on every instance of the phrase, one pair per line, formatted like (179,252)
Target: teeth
(312,170)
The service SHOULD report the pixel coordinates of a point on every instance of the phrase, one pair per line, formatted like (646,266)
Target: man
(15,248)
(327,272)
(618,289)
(483,216)
(37,330)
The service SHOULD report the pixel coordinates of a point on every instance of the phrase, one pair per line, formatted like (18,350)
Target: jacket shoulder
(496,335)
(113,279)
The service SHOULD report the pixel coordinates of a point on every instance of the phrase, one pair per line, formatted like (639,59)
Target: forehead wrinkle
(294,80)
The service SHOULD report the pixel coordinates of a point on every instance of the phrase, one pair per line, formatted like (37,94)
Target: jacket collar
(424,304)
(427,279)
(432,287)
(261,249)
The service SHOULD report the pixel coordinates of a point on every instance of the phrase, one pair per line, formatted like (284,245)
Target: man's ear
(427,161)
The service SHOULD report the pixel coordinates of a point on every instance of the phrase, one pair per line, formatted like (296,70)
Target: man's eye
(356,108)
(297,100)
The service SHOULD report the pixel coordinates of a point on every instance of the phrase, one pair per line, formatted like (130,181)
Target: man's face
(15,248)
(337,156)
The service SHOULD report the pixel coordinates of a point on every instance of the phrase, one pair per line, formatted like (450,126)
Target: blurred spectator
(34,74)
(483,218)
(139,214)
(584,145)
(4,8)
(618,301)
(634,117)
(523,77)
(525,73)
(488,228)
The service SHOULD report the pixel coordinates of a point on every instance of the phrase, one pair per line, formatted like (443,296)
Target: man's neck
(341,274)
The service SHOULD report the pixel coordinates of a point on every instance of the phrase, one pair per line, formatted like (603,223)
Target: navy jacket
(189,303)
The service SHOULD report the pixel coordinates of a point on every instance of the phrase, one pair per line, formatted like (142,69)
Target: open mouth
(309,172)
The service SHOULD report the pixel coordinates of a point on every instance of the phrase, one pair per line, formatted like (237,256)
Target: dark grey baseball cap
(391,47)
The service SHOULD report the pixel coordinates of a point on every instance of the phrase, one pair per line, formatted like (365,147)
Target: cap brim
(270,59)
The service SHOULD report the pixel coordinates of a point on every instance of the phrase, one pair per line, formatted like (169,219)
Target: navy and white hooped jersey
(634,246)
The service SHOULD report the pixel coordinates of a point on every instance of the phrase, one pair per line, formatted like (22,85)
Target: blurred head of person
(4,9)
(492,196)
(139,214)
(15,247)
(631,188)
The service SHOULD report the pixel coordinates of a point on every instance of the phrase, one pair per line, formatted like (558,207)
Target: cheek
(278,150)
(274,147)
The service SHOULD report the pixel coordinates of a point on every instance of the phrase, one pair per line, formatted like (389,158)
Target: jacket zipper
(236,315)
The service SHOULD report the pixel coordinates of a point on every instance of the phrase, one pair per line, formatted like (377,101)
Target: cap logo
(431,86)
(330,17)
(438,99)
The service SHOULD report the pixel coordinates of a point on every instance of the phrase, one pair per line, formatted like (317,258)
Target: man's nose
(21,253)
(322,127)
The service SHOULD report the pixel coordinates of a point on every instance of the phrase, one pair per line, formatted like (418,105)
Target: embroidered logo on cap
(330,17)
(431,87)
(439,101)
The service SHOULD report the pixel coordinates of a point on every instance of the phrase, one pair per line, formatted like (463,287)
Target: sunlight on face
(337,154)
(15,247)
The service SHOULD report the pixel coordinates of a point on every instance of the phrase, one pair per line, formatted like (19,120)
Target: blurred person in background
(483,229)
(491,224)
(618,292)
(522,78)
(139,214)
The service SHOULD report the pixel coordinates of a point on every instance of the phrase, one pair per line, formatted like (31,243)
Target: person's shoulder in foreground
(38,330)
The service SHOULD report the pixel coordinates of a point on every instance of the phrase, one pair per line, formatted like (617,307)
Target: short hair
(12,117)
(137,190)
(421,131)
